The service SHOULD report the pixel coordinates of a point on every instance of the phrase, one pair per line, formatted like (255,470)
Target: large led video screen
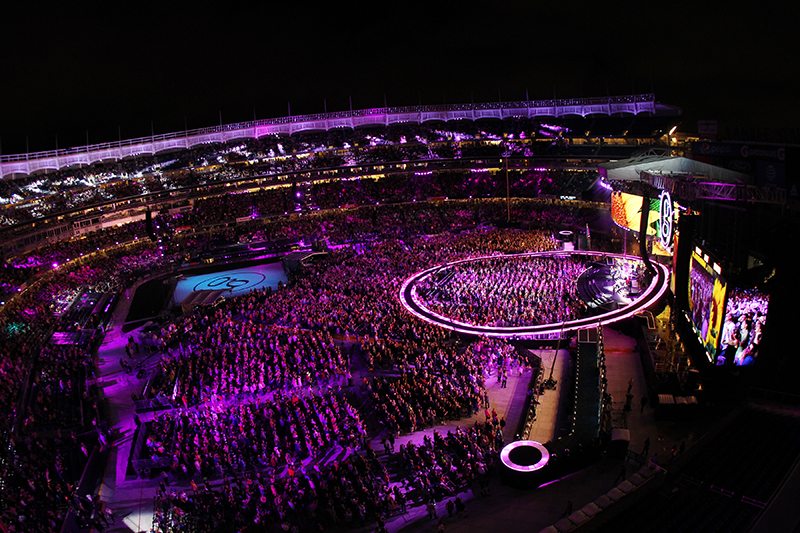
(706,303)
(626,212)
(745,315)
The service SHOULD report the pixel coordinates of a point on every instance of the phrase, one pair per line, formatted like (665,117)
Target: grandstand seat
(615,494)
(591,509)
(579,517)
(636,479)
(604,502)
(564,525)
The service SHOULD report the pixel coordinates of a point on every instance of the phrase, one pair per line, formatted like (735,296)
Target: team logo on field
(236,282)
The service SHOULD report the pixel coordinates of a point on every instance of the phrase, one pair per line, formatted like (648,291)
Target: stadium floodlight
(669,140)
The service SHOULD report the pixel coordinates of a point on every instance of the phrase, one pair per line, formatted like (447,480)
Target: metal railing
(293,119)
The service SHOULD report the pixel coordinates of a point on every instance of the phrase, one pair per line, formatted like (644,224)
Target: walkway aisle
(545,427)
(623,365)
(132,501)
(507,401)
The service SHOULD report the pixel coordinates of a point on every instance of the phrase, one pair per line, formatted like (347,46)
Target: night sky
(69,67)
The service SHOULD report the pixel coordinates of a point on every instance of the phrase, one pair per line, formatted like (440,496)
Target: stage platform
(648,297)
(238,281)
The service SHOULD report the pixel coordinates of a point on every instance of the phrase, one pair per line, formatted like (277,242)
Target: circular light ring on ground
(654,291)
(505,456)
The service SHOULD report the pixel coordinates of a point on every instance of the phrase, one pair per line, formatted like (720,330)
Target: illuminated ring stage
(523,464)
(411,301)
(524,452)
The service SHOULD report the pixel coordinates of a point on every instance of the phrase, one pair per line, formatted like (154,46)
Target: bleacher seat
(578,517)
(591,509)
(636,479)
(564,525)
(647,471)
(615,494)
(604,502)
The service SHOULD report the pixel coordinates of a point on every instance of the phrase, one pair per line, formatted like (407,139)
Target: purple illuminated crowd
(353,291)
(339,495)
(258,379)
(445,465)
(223,357)
(517,291)
(234,437)
(49,433)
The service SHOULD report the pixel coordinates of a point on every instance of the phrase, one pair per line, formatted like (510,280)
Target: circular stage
(413,301)
(524,464)
(524,456)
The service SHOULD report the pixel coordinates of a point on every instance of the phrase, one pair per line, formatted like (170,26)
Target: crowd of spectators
(38,482)
(507,291)
(224,362)
(352,291)
(341,494)
(222,438)
(421,399)
(334,226)
(274,211)
(37,488)
(56,393)
(257,348)
(225,356)
(745,317)
(444,465)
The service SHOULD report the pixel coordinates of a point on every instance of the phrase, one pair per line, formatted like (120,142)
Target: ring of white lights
(654,291)
(505,456)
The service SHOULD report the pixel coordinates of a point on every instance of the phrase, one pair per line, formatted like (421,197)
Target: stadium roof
(631,169)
